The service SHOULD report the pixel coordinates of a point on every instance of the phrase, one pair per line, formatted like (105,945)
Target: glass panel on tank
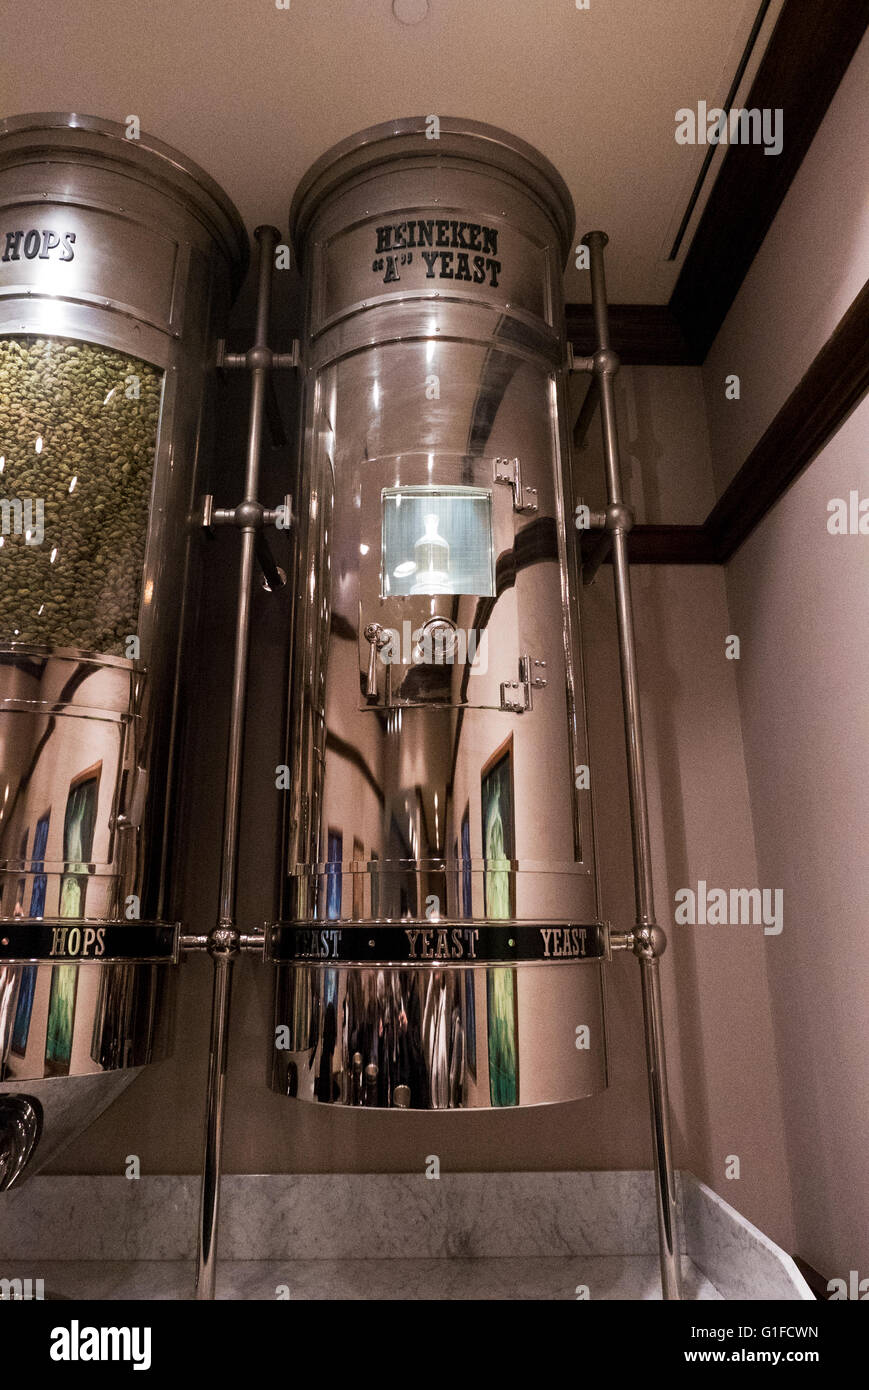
(437,540)
(78,432)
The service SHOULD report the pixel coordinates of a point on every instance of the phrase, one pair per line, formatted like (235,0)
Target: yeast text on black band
(437,942)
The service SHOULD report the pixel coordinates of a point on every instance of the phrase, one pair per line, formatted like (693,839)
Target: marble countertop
(350,1236)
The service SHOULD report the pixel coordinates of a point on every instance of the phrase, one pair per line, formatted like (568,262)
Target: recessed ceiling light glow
(410,11)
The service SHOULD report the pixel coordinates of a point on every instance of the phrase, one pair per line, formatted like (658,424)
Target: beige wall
(664,443)
(721,1046)
(813,262)
(798,600)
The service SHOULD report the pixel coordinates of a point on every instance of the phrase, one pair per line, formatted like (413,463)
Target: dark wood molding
(835,382)
(650,545)
(644,335)
(670,545)
(810,48)
(812,413)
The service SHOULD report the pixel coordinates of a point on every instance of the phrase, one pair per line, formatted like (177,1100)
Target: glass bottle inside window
(432,555)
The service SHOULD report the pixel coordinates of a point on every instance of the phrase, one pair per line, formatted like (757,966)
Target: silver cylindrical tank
(118,259)
(440,945)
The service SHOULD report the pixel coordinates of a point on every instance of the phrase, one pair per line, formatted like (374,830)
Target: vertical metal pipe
(649,939)
(209,1198)
(224,940)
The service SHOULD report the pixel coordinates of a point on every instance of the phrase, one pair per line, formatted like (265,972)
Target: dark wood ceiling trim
(810,48)
(650,545)
(670,545)
(644,335)
(815,409)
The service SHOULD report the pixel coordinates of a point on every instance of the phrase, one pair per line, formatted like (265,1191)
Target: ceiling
(255,93)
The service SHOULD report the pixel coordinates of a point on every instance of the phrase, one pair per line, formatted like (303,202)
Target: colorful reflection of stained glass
(61,1012)
(78,840)
(334,874)
(23,1010)
(78,837)
(496,793)
(40,881)
(499,846)
(503,1047)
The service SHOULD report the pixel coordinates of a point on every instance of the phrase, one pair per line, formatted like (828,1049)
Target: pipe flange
(619,517)
(650,941)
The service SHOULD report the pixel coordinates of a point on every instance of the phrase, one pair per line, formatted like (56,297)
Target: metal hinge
(510,471)
(517,696)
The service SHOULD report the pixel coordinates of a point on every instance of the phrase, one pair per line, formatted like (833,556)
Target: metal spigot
(378,637)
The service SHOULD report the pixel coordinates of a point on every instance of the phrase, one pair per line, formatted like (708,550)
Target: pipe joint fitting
(594,238)
(258,357)
(650,941)
(606,362)
(250,514)
(619,517)
(224,942)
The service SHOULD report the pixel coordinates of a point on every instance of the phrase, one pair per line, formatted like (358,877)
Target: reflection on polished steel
(432,1039)
(437,722)
(20,1130)
(89,738)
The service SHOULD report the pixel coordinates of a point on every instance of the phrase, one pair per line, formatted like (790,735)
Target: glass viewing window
(437,540)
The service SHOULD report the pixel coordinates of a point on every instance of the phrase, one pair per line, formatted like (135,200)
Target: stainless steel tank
(118,259)
(440,944)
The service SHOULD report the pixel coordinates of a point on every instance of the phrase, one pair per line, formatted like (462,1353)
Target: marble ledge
(345,1221)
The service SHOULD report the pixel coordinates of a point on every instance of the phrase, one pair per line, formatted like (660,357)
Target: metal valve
(378,637)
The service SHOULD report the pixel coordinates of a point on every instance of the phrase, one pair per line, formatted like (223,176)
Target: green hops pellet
(79,447)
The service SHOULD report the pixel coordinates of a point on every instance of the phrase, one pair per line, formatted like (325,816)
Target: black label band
(65,940)
(432,944)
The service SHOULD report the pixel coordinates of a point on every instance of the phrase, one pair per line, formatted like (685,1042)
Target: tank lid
(406,138)
(36,134)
